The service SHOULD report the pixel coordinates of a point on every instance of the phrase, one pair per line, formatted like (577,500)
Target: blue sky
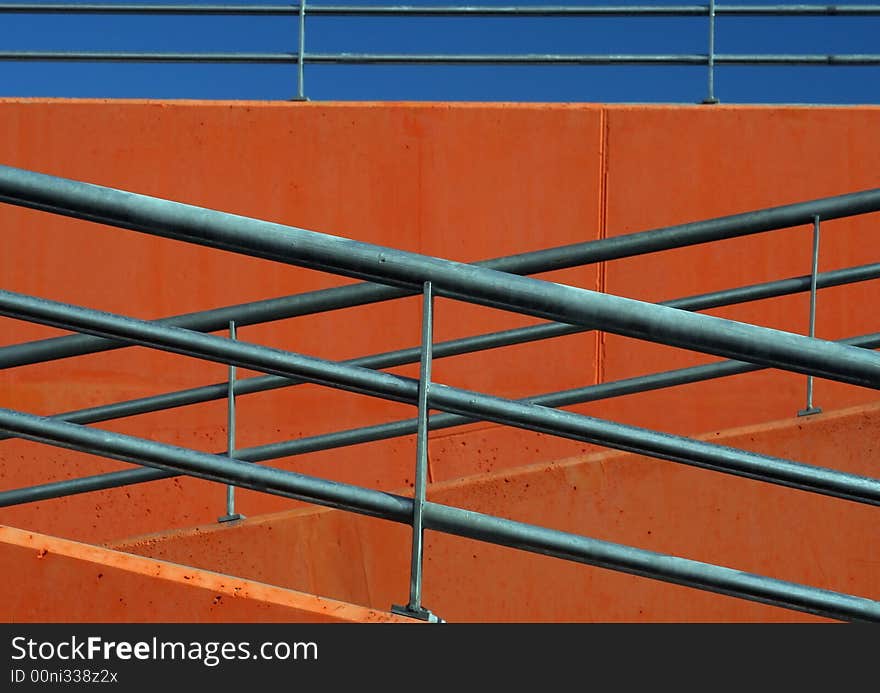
(596,35)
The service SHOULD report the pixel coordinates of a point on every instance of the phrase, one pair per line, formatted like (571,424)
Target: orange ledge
(60,580)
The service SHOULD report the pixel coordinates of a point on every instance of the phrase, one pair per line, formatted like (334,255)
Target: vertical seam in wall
(603,230)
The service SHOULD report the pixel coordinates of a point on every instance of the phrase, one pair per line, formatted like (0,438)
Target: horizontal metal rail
(147,57)
(589,59)
(385,431)
(480,285)
(453,400)
(467,345)
(447,519)
(595,10)
(446,10)
(589,252)
(865,59)
(301,11)
(140,8)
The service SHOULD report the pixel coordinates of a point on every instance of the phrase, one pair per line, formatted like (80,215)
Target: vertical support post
(414,608)
(300,61)
(810,409)
(710,97)
(230,436)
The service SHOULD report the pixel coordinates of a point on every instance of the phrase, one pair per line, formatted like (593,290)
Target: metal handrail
(612,247)
(447,519)
(470,283)
(465,282)
(302,10)
(850,10)
(395,388)
(469,345)
(318,250)
(387,431)
(442,58)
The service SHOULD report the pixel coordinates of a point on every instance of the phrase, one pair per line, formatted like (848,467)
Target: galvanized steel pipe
(470,283)
(465,345)
(457,401)
(443,518)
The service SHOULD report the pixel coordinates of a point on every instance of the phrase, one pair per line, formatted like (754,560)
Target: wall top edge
(428,105)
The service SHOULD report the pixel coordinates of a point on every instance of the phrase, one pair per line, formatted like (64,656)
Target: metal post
(442,518)
(710,98)
(300,58)
(525,414)
(414,608)
(466,345)
(339,439)
(230,515)
(810,409)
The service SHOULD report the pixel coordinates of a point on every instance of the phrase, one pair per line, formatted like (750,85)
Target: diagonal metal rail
(456,280)
(447,519)
(394,429)
(466,345)
(453,400)
(562,257)
(760,347)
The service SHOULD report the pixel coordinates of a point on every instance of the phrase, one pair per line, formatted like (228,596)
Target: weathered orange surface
(466,182)
(64,581)
(461,182)
(662,506)
(674,165)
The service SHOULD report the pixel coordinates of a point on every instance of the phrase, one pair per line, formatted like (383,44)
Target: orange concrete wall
(662,506)
(668,166)
(460,181)
(62,581)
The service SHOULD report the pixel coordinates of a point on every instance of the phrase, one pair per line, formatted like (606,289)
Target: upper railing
(497,283)
(296,55)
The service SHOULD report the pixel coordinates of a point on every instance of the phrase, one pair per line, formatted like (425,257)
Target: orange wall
(661,506)
(460,181)
(62,581)
(668,166)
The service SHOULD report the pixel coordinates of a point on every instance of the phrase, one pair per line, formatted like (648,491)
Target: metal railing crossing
(394,274)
